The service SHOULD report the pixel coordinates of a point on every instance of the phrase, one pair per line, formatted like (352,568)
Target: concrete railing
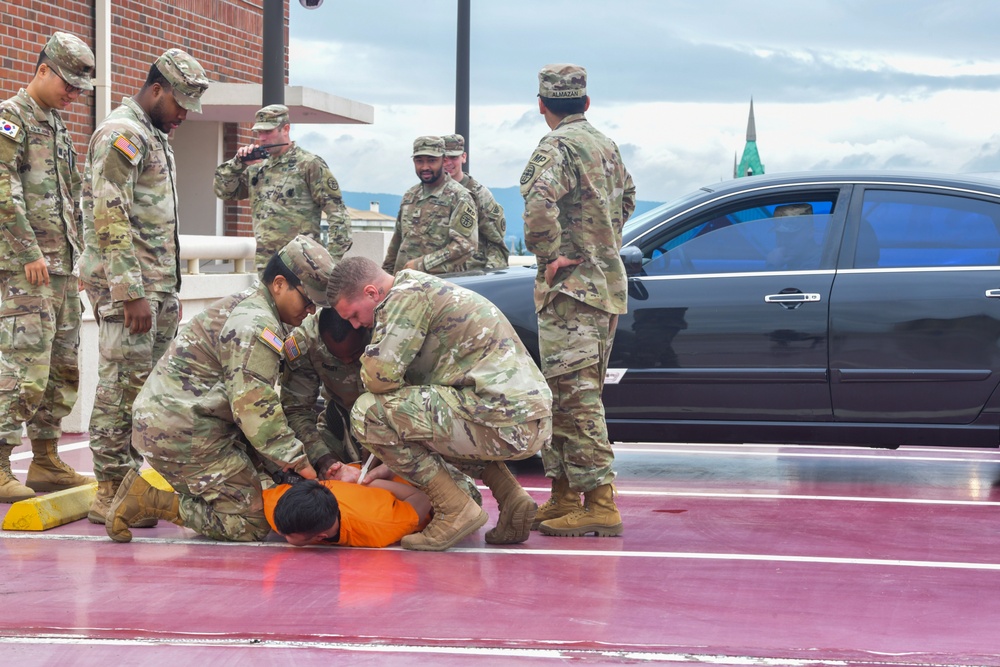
(237,249)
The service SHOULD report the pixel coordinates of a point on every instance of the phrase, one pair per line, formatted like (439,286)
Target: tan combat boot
(599,516)
(456,515)
(517,509)
(137,500)
(48,472)
(11,490)
(563,501)
(101,506)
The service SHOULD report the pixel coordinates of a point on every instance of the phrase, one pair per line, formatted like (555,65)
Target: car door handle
(794,297)
(993,294)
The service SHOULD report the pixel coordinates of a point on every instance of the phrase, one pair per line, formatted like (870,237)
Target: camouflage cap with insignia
(432,146)
(454,145)
(186,76)
(311,264)
(270,117)
(71,59)
(562,81)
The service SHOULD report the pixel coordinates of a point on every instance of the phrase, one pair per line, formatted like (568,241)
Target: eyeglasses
(309,303)
(70,89)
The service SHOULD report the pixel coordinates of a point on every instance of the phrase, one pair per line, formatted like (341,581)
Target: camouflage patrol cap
(186,76)
(454,145)
(311,264)
(71,59)
(432,146)
(562,81)
(270,117)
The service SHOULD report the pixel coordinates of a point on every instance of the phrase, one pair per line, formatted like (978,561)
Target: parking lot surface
(732,555)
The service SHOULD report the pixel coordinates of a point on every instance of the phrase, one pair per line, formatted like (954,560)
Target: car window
(919,229)
(776,235)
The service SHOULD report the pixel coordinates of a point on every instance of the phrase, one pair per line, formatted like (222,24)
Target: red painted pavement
(731,555)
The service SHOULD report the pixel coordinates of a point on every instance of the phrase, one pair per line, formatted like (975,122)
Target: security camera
(311,4)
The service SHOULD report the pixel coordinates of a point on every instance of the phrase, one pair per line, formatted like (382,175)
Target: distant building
(750,164)
(365,221)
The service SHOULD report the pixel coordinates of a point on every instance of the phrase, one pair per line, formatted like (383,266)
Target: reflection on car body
(882,328)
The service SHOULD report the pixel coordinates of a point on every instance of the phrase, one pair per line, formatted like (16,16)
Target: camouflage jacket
(39,188)
(288,195)
(492,252)
(216,382)
(130,208)
(310,368)
(431,332)
(577,196)
(436,225)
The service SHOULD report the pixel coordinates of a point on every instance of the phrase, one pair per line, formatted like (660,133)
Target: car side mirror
(632,259)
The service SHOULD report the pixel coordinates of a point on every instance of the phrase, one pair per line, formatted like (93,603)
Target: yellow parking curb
(62,507)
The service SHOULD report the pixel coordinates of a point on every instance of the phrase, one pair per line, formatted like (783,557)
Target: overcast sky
(873,84)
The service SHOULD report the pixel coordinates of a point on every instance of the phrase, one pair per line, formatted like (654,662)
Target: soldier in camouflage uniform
(577,195)
(448,380)
(323,355)
(436,230)
(39,242)
(492,252)
(209,411)
(289,190)
(130,265)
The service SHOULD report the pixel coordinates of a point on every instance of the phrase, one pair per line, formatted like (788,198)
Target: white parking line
(571,553)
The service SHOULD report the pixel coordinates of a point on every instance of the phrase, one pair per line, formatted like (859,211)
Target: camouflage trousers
(216,479)
(39,346)
(125,362)
(574,341)
(415,431)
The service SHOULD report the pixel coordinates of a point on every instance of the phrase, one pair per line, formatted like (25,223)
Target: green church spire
(750,164)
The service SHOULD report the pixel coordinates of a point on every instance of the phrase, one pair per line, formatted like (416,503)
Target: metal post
(462,75)
(273,63)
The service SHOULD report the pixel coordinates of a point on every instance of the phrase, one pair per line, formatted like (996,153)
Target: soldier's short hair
(332,324)
(565,106)
(274,268)
(307,509)
(349,277)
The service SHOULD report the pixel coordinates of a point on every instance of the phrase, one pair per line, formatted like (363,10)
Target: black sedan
(825,308)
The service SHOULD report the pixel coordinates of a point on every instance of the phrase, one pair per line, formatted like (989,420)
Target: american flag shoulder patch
(127,148)
(292,351)
(272,339)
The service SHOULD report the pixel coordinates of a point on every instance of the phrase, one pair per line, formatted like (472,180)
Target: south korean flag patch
(9,129)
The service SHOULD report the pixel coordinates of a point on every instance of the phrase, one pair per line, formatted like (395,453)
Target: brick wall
(224,35)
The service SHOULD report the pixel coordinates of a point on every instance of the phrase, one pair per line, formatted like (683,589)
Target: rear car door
(728,320)
(915,315)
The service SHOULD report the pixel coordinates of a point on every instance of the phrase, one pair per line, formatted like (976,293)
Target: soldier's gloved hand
(324,466)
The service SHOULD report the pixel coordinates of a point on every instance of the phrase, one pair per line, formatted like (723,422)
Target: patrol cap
(433,146)
(311,264)
(71,59)
(454,145)
(270,117)
(186,76)
(562,81)
(792,213)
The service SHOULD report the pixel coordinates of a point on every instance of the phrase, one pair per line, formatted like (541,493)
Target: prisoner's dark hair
(565,106)
(276,267)
(308,508)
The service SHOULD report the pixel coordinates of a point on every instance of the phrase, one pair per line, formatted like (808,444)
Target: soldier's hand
(308,472)
(37,272)
(413,264)
(553,267)
(138,316)
(241,154)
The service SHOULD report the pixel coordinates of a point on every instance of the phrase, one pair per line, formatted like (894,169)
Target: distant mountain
(510,198)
